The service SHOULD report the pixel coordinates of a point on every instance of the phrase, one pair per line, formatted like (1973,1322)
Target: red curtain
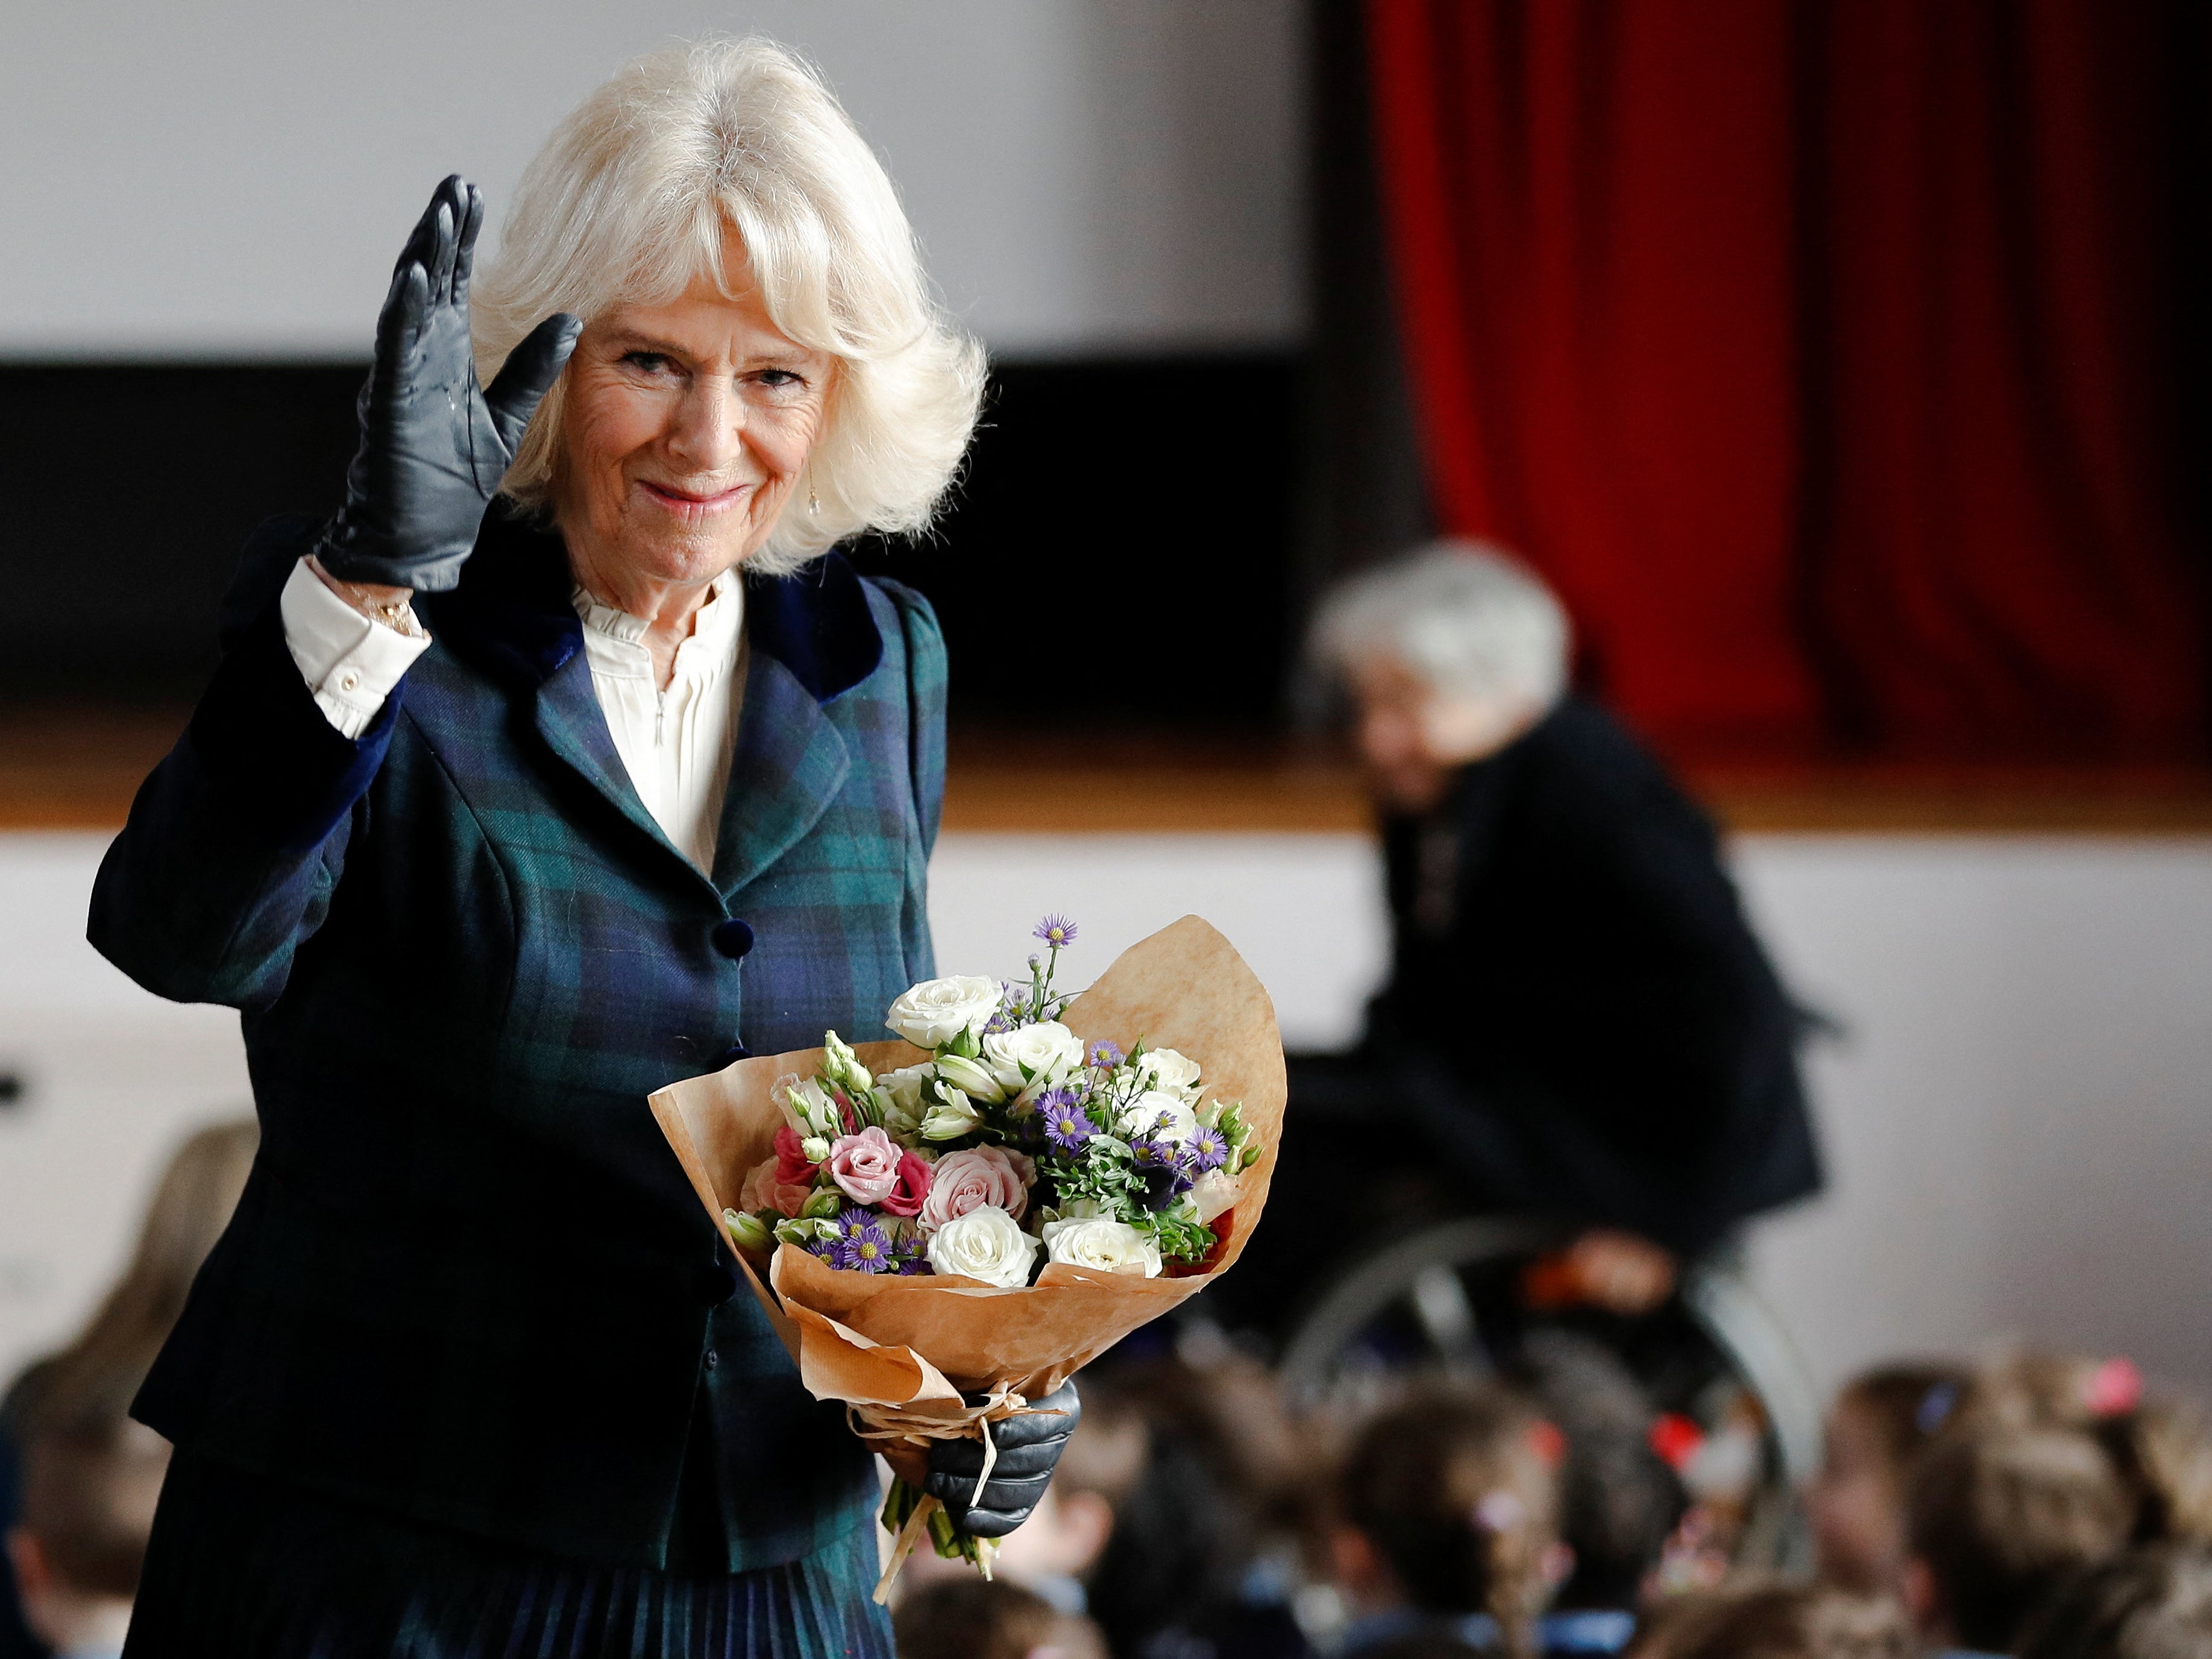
(1820,354)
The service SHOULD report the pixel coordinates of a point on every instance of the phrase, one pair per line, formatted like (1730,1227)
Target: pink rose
(967,1180)
(865,1166)
(914,1174)
(765,1190)
(792,1167)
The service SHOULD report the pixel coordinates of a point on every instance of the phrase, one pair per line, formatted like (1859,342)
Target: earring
(813,506)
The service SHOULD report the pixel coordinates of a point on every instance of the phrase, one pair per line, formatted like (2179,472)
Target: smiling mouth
(692,505)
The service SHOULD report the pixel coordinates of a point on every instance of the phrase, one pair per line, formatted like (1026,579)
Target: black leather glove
(433,446)
(1028,1446)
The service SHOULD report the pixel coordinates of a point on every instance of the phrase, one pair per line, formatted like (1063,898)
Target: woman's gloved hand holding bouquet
(952,1226)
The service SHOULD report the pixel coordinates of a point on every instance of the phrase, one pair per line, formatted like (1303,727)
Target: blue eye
(651,362)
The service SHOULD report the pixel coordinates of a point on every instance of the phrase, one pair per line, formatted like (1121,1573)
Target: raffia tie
(897,1423)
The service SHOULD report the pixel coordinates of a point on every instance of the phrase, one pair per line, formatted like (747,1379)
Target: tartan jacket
(468,1283)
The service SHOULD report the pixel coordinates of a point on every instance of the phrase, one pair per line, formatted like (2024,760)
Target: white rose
(1047,1051)
(1149,1108)
(1109,1246)
(985,1244)
(1163,1068)
(936,1011)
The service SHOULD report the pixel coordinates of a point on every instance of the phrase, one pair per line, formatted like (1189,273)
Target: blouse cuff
(350,663)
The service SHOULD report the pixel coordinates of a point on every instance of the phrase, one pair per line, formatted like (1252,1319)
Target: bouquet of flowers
(945,1228)
(1013,1145)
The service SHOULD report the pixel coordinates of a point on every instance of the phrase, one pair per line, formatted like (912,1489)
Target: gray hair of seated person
(1471,620)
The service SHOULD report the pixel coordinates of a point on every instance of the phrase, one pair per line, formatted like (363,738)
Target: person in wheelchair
(1579,1021)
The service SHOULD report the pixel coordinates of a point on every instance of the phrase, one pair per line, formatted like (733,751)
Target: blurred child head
(2160,1443)
(1997,1517)
(1446,1504)
(971,1618)
(1619,1500)
(1160,1504)
(2150,1603)
(1778,1622)
(1879,1425)
(89,1488)
(101,1371)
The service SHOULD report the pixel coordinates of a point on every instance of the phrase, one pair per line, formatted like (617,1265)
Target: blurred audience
(1169,1516)
(1975,1492)
(2044,1505)
(1446,1523)
(1579,1021)
(86,1388)
(2149,1603)
(967,1617)
(89,1487)
(1778,1622)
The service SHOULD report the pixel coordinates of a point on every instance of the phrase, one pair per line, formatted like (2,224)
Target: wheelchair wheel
(1714,1362)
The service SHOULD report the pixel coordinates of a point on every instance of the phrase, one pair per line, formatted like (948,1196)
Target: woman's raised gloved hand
(434,445)
(1029,1444)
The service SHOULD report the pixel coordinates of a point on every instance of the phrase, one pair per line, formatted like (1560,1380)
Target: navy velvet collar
(512,612)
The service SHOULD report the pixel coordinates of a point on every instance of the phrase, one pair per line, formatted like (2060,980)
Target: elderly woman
(493,822)
(1579,1021)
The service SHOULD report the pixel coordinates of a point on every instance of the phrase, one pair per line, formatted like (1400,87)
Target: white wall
(2019,1124)
(236,177)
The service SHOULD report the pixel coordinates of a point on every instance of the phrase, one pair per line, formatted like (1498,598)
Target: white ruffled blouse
(675,743)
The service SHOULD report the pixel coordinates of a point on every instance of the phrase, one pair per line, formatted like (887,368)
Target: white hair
(628,203)
(1467,617)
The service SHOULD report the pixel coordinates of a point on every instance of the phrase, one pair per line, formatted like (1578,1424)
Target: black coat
(1578,1001)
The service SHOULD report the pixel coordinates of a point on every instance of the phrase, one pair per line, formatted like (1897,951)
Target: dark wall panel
(1118,550)
(128,492)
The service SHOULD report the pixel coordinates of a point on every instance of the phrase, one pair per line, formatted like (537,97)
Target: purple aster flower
(1006,1017)
(1065,1123)
(1106,1055)
(1209,1150)
(1155,1152)
(1055,931)
(865,1247)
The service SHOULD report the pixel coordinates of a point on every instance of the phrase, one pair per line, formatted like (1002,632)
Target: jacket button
(684,1048)
(713,1360)
(734,1052)
(733,937)
(714,1283)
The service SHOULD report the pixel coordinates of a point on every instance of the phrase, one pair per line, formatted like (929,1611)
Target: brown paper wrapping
(915,1343)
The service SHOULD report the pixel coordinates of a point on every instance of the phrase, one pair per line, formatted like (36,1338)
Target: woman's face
(1854,1505)
(1410,737)
(686,429)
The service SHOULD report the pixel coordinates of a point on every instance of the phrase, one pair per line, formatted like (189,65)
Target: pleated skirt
(239,1567)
